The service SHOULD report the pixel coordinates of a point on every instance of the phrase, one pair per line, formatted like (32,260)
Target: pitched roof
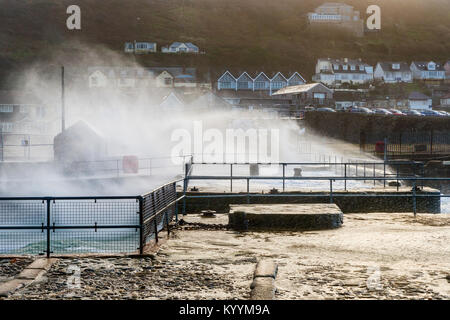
(299,89)
(418,96)
(387,66)
(423,65)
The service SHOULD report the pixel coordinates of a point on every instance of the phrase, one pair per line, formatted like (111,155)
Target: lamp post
(63,102)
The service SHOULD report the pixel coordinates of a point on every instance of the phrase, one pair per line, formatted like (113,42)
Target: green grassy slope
(253,35)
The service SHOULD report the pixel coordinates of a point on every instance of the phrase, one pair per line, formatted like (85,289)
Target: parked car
(308,108)
(443,113)
(325,110)
(413,113)
(431,113)
(396,112)
(361,110)
(382,111)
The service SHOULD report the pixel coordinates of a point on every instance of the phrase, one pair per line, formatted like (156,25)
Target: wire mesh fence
(67,225)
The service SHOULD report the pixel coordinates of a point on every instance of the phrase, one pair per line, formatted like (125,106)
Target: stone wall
(383,202)
(350,126)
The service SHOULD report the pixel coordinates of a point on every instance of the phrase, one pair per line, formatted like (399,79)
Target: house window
(94,81)
(6,127)
(335,66)
(6,108)
(260,85)
(225,85)
(278,84)
(352,67)
(345,67)
(167,81)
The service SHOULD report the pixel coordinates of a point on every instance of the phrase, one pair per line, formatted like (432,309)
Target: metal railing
(67,225)
(331,193)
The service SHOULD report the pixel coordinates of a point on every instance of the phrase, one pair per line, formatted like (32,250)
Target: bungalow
(140,47)
(180,47)
(393,72)
(427,70)
(335,72)
(307,94)
(245,82)
(419,101)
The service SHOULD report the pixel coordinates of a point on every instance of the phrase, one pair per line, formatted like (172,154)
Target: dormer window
(431,66)
(345,67)
(396,66)
(335,66)
(352,67)
(361,68)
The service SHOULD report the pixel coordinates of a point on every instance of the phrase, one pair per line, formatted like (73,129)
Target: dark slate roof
(422,65)
(418,96)
(387,66)
(18,97)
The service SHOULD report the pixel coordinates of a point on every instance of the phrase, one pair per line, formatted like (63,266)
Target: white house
(393,72)
(180,47)
(261,82)
(427,70)
(127,77)
(334,72)
(419,101)
(445,101)
(140,47)
(172,102)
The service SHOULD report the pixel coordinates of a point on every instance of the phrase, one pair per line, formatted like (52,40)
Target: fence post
(384,173)
(284,175)
(331,191)
(345,176)
(248,190)
(48,227)
(231,177)
(141,225)
(414,199)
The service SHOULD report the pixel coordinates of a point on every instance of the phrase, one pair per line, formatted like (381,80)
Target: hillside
(253,35)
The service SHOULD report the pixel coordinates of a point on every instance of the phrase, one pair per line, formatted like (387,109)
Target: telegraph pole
(63,107)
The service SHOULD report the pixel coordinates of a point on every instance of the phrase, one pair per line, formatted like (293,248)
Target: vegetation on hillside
(252,35)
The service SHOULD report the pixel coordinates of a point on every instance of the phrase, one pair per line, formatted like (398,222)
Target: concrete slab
(285,216)
(30,274)
(13,285)
(43,264)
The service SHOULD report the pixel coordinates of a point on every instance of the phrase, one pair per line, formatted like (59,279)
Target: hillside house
(315,94)
(131,78)
(337,15)
(445,101)
(419,101)
(24,113)
(427,70)
(181,47)
(393,72)
(335,72)
(138,47)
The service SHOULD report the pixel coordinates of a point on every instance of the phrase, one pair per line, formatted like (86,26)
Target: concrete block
(263,288)
(285,217)
(266,268)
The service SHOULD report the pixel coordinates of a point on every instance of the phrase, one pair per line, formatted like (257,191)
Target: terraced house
(335,72)
(260,82)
